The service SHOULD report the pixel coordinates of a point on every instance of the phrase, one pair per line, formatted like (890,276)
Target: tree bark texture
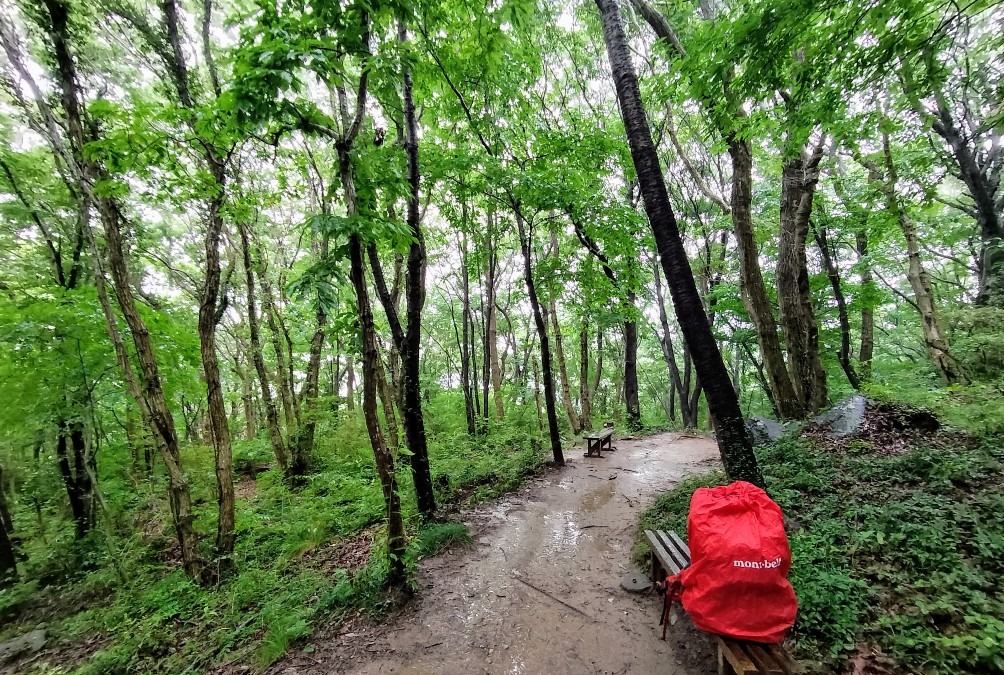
(733,439)
(799,177)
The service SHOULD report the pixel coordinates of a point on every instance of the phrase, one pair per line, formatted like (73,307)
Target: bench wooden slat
(783,658)
(602,436)
(737,658)
(659,550)
(680,544)
(682,559)
(762,659)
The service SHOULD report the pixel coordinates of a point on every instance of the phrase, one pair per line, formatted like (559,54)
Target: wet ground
(539,591)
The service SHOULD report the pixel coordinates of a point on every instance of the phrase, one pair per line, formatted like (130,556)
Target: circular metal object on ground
(636,581)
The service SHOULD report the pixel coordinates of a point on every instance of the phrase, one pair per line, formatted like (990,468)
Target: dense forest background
(275,272)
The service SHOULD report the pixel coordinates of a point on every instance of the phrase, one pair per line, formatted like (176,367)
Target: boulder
(29,642)
(844,418)
(764,431)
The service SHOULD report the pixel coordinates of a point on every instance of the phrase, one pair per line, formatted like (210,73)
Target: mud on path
(568,534)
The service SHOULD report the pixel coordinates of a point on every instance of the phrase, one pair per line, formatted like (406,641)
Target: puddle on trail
(540,591)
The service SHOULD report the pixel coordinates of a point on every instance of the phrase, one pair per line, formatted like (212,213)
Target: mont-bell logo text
(757,564)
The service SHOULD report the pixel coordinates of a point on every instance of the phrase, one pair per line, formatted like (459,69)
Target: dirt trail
(568,534)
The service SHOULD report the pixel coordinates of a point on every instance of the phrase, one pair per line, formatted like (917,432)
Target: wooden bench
(597,442)
(669,556)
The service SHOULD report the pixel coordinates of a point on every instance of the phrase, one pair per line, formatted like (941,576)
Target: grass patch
(292,548)
(901,552)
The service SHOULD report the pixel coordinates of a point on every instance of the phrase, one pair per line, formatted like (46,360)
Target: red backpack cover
(737,582)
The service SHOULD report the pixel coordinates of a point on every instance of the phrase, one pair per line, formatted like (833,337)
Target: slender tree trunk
(566,390)
(677,385)
(72,470)
(491,269)
(350,383)
(951,371)
(88,172)
(465,345)
(540,319)
(271,413)
(733,439)
(408,340)
(303,447)
(8,552)
(631,401)
(833,273)
(536,394)
(584,394)
(283,383)
(382,455)
(867,347)
(983,184)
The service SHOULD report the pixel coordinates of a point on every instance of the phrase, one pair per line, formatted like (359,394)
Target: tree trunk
(566,390)
(677,385)
(491,269)
(271,413)
(284,385)
(88,172)
(755,298)
(465,344)
(8,553)
(586,416)
(983,184)
(951,371)
(409,340)
(303,447)
(867,347)
(540,319)
(833,273)
(733,439)
(536,394)
(801,332)
(79,491)
(631,402)
(350,383)
(384,458)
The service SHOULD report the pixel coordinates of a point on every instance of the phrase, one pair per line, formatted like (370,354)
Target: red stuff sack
(737,582)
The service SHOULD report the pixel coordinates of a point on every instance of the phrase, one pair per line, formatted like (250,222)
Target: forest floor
(539,589)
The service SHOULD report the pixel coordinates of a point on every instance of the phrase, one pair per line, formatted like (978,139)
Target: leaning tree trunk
(733,439)
(755,298)
(677,386)
(951,371)
(540,320)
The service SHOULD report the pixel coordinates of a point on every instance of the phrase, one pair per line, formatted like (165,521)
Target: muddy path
(539,591)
